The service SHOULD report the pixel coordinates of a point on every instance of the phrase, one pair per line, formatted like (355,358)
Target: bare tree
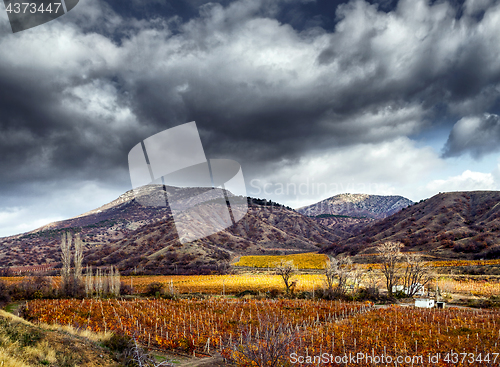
(269,345)
(77,276)
(357,276)
(66,261)
(390,255)
(117,282)
(140,358)
(98,283)
(286,270)
(338,273)
(372,279)
(416,275)
(114,281)
(89,282)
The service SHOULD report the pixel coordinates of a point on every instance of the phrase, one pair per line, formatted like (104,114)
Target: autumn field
(235,283)
(319,261)
(251,331)
(299,328)
(301,261)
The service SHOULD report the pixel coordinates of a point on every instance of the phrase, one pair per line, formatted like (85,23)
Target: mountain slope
(455,224)
(358,205)
(263,230)
(130,235)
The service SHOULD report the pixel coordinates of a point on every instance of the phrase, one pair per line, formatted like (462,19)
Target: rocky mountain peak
(358,205)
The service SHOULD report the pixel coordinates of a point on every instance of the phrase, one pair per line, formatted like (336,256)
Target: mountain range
(357,205)
(144,239)
(447,225)
(130,235)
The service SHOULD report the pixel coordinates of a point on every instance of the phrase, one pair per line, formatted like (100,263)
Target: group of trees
(97,284)
(406,273)
(409,271)
(71,278)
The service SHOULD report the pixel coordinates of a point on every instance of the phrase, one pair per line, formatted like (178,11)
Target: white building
(424,303)
(420,290)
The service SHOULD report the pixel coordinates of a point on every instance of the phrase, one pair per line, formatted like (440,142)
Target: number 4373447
(31,8)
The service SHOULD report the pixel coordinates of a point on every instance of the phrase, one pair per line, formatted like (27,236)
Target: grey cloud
(417,52)
(476,135)
(261,92)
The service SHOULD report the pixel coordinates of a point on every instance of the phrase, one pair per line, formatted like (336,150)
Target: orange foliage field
(232,284)
(326,329)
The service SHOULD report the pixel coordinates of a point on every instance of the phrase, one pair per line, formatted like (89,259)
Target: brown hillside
(264,230)
(133,236)
(448,225)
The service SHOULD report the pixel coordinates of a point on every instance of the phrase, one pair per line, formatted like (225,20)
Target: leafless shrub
(286,270)
(136,356)
(268,345)
(390,256)
(417,274)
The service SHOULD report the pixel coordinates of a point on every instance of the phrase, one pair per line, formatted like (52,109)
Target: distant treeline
(335,216)
(265,202)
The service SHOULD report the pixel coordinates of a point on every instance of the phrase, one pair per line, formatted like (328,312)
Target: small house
(418,288)
(424,303)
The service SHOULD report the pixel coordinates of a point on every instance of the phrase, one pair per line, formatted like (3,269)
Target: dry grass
(14,318)
(470,287)
(8,360)
(23,344)
(87,334)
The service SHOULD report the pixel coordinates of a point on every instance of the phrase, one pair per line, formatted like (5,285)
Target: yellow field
(302,261)
(470,287)
(211,284)
(227,284)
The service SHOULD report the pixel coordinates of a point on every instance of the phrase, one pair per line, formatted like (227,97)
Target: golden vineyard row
(319,261)
(299,328)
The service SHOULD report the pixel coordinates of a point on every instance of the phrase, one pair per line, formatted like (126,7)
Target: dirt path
(204,362)
(185,361)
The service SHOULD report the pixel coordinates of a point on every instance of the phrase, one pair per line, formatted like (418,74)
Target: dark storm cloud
(261,90)
(417,54)
(41,139)
(476,135)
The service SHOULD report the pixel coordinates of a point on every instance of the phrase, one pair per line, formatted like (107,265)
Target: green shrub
(154,289)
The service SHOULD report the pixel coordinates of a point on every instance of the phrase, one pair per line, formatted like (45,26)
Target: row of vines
(238,329)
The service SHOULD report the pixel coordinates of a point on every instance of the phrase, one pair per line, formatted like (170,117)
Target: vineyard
(233,284)
(294,327)
(301,261)
(319,261)
(475,288)
(226,284)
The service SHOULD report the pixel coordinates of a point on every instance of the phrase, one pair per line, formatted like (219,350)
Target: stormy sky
(312,97)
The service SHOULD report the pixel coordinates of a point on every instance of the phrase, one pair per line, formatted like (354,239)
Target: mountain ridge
(358,205)
(129,235)
(463,224)
(124,229)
